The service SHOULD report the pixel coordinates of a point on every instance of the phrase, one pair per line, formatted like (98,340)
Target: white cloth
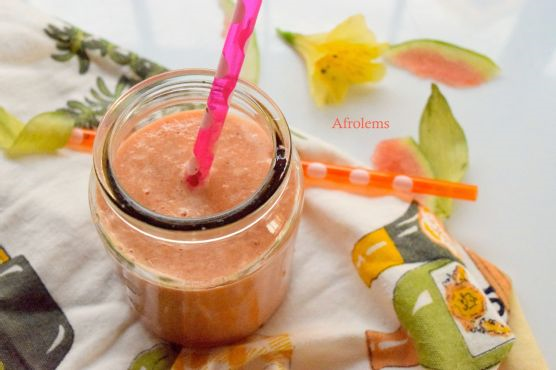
(44,216)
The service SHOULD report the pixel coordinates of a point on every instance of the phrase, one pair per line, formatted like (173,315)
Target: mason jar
(239,299)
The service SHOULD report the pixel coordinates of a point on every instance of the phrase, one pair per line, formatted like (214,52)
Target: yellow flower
(338,59)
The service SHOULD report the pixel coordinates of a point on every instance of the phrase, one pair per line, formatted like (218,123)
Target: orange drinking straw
(353,179)
(81,140)
(365,181)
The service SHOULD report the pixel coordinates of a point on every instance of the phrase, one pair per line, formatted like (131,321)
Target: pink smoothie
(222,303)
(150,166)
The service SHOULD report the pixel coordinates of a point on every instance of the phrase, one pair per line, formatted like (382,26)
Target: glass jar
(189,311)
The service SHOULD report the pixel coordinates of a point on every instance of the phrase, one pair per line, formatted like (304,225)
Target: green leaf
(74,104)
(442,141)
(443,207)
(83,64)
(99,98)
(251,69)
(10,127)
(62,46)
(44,133)
(102,87)
(120,86)
(119,58)
(62,57)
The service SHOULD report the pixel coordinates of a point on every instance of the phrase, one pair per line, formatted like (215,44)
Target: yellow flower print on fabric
(255,352)
(464,300)
(338,59)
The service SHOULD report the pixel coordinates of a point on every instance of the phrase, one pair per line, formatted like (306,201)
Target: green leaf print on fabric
(431,320)
(450,318)
(10,127)
(88,113)
(44,133)
(73,42)
(158,357)
(70,41)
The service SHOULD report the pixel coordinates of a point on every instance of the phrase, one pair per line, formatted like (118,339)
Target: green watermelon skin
(443,62)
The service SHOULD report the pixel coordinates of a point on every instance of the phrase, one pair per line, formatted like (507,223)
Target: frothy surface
(150,165)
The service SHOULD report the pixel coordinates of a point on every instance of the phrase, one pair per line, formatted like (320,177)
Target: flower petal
(354,29)
(306,47)
(339,59)
(351,62)
(342,65)
(326,91)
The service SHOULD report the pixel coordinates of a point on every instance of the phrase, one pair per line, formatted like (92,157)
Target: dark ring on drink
(132,208)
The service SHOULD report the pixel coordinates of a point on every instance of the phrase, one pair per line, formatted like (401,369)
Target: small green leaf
(62,57)
(443,142)
(102,87)
(62,46)
(120,86)
(119,58)
(99,98)
(74,104)
(10,127)
(44,133)
(83,64)
(90,102)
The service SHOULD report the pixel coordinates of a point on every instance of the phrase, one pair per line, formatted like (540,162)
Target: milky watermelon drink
(205,265)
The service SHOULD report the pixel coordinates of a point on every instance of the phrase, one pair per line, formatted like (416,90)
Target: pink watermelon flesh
(443,62)
(427,64)
(401,156)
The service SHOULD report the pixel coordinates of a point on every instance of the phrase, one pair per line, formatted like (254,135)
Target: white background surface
(510,123)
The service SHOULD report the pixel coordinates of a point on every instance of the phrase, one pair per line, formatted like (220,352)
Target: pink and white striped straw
(225,80)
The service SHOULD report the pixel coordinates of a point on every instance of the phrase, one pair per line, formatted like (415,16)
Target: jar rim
(125,203)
